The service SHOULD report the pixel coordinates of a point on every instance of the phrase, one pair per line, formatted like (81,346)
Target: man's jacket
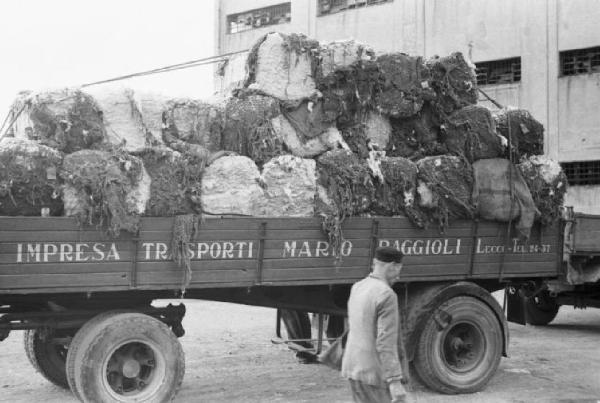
(371,354)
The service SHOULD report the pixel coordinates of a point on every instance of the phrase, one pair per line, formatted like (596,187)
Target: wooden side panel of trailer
(55,255)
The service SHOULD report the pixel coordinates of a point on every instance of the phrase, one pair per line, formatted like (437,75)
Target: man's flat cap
(387,254)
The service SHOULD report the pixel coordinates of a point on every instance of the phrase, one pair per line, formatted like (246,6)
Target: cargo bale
(445,188)
(247,128)
(308,118)
(526,133)
(108,188)
(231,186)
(132,120)
(176,182)
(340,55)
(283,66)
(547,183)
(289,185)
(396,190)
(194,122)
(470,132)
(67,120)
(501,194)
(28,178)
(454,80)
(416,137)
(350,191)
(297,145)
(349,94)
(404,85)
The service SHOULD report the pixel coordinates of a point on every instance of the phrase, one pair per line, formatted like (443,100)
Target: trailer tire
(48,358)
(129,357)
(541,309)
(460,347)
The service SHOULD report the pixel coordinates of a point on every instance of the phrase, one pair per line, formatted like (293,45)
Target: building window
(503,71)
(260,17)
(582,172)
(580,61)
(335,6)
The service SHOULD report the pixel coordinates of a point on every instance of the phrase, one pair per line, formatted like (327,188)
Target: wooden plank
(273,275)
(279,244)
(90,257)
(57,236)
(87,281)
(199,265)
(308,263)
(434,270)
(12,247)
(38,223)
(174,280)
(83,269)
(511,268)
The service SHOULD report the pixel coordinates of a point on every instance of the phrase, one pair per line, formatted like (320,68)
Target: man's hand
(398,392)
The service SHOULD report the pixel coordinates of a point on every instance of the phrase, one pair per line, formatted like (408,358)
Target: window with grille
(335,6)
(580,61)
(260,17)
(582,172)
(503,71)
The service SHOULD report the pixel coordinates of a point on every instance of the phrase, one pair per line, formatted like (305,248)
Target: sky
(63,43)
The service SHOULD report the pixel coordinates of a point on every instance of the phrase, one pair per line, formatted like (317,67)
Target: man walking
(370,359)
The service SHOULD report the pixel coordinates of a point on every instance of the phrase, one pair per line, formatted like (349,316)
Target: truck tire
(541,309)
(460,346)
(80,338)
(46,355)
(128,357)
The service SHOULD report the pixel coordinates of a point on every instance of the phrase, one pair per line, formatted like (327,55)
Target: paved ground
(229,358)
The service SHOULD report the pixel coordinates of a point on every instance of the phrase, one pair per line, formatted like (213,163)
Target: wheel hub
(131,368)
(463,348)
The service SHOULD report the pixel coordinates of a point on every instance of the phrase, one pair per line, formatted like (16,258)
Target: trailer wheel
(541,309)
(47,354)
(128,357)
(460,347)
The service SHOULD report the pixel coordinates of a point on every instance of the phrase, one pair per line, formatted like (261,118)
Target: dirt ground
(230,358)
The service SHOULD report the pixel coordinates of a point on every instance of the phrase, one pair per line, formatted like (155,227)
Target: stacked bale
(132,120)
(470,132)
(525,133)
(66,120)
(548,185)
(28,178)
(445,185)
(333,130)
(105,188)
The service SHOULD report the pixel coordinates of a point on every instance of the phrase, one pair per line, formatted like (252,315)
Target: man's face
(393,272)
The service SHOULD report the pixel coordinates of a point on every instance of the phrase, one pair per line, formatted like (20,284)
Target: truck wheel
(541,309)
(47,354)
(128,357)
(81,338)
(460,347)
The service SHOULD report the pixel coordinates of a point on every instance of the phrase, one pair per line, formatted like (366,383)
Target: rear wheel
(541,309)
(128,357)
(460,347)
(46,350)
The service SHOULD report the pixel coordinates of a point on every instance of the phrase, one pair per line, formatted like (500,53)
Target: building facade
(541,55)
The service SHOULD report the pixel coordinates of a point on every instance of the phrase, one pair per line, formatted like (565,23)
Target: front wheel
(460,347)
(128,357)
(541,309)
